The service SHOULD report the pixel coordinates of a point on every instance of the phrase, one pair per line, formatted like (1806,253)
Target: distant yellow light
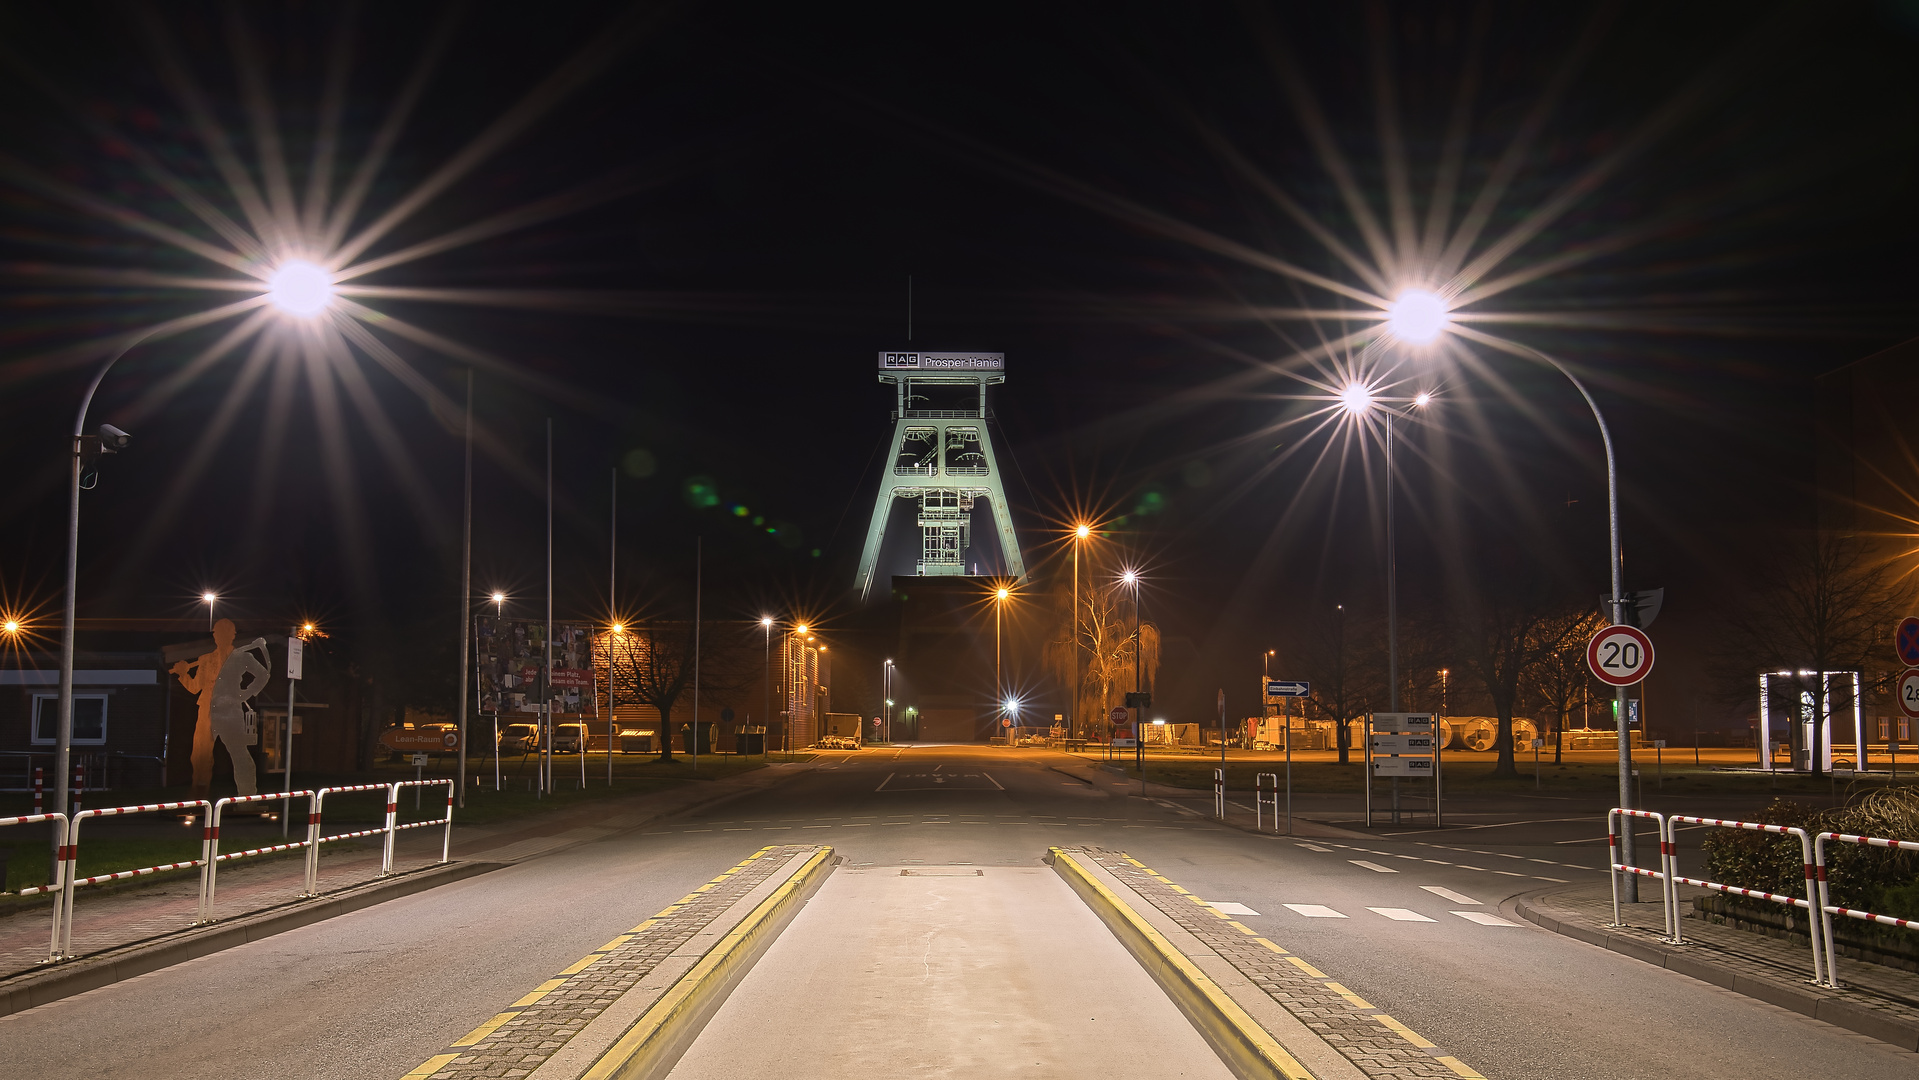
(619,628)
(1083,532)
(12,627)
(208,598)
(802,628)
(306,628)
(766,620)
(1004,593)
(499,598)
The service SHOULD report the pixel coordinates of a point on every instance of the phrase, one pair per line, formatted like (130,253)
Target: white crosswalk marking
(1483,918)
(1399,914)
(1447,894)
(1314,911)
(1373,866)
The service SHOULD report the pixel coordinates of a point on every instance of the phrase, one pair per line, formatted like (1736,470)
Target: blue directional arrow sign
(1277,688)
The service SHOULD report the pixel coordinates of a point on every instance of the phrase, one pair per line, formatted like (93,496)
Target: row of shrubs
(1876,879)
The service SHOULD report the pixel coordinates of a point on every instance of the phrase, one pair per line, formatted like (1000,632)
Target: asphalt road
(374,993)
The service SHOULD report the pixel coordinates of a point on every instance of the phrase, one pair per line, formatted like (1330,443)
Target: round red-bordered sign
(1905,641)
(1620,655)
(1909,693)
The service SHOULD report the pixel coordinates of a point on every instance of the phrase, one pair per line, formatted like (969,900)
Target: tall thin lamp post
(1080,534)
(612,613)
(546,668)
(466,585)
(999,681)
(766,675)
(1139,710)
(110,440)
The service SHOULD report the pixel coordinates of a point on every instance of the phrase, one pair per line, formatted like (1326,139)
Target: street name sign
(1403,766)
(1284,688)
(1905,641)
(1909,692)
(1402,744)
(1620,655)
(1401,722)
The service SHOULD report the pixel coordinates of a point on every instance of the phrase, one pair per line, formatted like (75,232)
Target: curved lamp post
(299,289)
(1418,317)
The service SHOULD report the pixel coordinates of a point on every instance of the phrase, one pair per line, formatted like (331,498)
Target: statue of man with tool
(225,679)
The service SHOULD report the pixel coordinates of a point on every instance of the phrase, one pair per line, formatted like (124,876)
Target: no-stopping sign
(1620,655)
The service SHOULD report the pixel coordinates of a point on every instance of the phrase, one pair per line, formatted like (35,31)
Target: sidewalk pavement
(149,915)
(1880,1002)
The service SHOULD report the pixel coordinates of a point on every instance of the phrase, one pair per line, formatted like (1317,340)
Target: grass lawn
(109,845)
(1472,774)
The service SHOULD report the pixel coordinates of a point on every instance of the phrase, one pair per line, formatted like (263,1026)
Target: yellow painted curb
(653,1044)
(1248,1049)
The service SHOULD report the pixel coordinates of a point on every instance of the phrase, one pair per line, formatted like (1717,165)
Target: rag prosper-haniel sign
(942,361)
(508,654)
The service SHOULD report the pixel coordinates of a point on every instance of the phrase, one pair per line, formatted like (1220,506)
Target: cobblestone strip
(1375,1042)
(515,1042)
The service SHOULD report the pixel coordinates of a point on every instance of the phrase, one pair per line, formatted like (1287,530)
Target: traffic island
(1268,1013)
(1873,1000)
(627,1010)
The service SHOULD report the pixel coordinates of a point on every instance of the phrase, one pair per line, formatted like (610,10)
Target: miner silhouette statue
(225,679)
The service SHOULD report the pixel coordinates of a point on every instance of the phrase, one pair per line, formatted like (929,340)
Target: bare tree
(1560,680)
(1502,633)
(1345,680)
(1826,605)
(1098,669)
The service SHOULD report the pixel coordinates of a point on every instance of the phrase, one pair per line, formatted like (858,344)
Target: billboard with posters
(508,653)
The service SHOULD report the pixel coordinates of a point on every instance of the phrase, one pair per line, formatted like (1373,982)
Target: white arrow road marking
(1373,866)
(1447,894)
(1314,911)
(1399,914)
(1483,918)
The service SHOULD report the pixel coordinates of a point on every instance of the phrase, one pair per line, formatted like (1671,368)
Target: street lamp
(1131,577)
(886,695)
(766,676)
(209,599)
(1080,533)
(1357,399)
(999,683)
(1418,317)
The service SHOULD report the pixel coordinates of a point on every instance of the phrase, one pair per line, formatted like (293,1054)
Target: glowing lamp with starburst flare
(300,288)
(1417,317)
(1355,398)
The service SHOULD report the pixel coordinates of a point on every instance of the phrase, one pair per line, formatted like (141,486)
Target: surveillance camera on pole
(112,439)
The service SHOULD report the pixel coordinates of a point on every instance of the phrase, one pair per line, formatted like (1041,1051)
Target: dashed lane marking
(1483,918)
(1373,866)
(1313,911)
(1447,894)
(1400,914)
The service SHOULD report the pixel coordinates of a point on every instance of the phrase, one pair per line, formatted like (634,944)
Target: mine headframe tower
(943,459)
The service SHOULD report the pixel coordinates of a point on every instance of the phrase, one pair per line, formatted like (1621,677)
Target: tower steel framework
(943,458)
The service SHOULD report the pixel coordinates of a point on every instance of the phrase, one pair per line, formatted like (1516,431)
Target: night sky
(727,202)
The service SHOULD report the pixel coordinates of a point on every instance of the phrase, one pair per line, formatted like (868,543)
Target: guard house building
(941,506)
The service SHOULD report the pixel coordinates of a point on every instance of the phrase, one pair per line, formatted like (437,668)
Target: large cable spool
(1477,732)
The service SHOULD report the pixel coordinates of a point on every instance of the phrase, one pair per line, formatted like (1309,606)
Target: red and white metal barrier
(316,830)
(1827,909)
(1265,794)
(393,817)
(58,885)
(1810,904)
(72,861)
(1663,875)
(211,881)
